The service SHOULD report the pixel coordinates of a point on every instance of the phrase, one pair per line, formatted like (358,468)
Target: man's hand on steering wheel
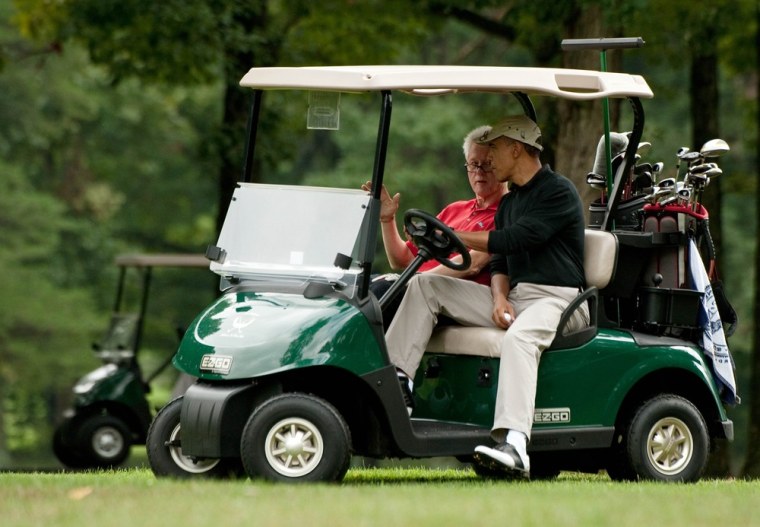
(435,239)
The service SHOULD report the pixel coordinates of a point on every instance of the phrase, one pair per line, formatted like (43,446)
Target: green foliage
(23,410)
(692,26)
(35,311)
(159,41)
(81,161)
(42,325)
(367,32)
(131,35)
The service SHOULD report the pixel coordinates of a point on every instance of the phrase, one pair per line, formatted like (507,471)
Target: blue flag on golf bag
(713,341)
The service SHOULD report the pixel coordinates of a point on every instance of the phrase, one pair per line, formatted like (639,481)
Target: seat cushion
(461,340)
(599,264)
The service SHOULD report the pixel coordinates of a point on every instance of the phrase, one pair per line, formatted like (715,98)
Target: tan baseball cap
(518,127)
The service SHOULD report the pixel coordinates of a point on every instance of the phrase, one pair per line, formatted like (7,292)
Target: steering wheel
(435,239)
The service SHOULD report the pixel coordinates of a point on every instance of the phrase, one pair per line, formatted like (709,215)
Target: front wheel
(104,441)
(668,440)
(296,437)
(164,446)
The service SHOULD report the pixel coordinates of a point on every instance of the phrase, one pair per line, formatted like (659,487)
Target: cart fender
(212,419)
(684,358)
(248,334)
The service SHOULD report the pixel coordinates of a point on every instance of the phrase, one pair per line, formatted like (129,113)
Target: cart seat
(599,263)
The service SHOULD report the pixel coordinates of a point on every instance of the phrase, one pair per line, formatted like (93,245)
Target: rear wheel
(618,465)
(296,437)
(542,468)
(164,446)
(667,440)
(620,470)
(67,454)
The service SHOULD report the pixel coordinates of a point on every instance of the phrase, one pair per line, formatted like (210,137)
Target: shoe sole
(483,458)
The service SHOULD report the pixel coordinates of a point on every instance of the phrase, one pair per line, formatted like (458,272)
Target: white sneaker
(503,456)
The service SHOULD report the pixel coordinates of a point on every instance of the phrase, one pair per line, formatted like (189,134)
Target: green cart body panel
(577,387)
(123,386)
(248,334)
(245,335)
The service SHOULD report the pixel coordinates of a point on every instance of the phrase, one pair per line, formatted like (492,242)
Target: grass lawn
(368,496)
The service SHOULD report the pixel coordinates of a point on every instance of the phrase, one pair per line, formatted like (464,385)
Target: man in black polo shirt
(536,270)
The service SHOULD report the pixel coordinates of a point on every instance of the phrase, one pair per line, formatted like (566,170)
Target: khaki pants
(538,309)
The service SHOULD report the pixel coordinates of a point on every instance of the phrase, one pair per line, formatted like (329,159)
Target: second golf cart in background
(110,411)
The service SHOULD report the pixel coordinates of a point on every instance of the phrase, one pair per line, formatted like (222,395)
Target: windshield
(292,233)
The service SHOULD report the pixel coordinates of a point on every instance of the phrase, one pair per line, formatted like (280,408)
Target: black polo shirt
(539,233)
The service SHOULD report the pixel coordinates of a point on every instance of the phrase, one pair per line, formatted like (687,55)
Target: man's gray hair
(473,136)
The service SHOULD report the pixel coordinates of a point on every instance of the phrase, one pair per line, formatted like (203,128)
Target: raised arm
(398,253)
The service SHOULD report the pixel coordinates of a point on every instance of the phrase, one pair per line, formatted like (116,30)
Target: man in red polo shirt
(476,214)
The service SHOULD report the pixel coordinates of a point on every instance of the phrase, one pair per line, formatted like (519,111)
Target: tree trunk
(751,467)
(232,140)
(704,97)
(252,17)
(580,125)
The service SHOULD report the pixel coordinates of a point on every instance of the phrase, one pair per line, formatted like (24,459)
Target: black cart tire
(618,464)
(104,441)
(164,447)
(67,454)
(668,440)
(542,469)
(620,469)
(296,438)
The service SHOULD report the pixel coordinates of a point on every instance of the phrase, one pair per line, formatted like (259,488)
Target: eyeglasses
(474,167)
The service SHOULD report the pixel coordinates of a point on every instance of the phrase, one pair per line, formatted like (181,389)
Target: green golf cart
(109,411)
(292,366)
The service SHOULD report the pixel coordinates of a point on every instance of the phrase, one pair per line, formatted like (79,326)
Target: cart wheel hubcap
(107,442)
(670,446)
(294,447)
(187,463)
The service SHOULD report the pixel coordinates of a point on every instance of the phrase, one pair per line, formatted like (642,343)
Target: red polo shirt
(464,216)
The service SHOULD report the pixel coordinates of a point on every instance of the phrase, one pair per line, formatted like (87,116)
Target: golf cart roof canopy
(438,80)
(161,260)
